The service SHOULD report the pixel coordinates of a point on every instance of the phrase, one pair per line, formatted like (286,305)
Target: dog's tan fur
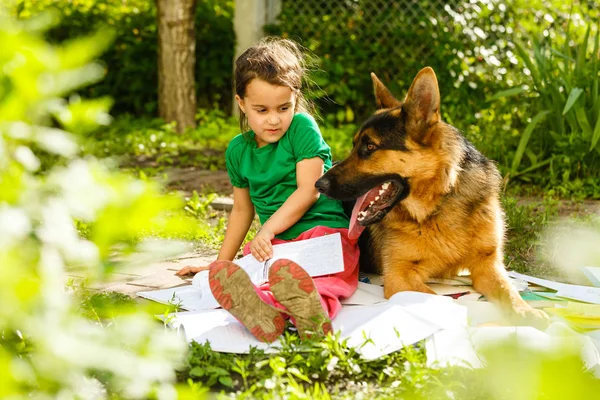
(452,217)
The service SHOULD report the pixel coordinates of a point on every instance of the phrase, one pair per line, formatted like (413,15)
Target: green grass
(326,368)
(152,146)
(310,369)
(526,222)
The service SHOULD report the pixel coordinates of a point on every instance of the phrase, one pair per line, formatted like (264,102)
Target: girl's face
(269,108)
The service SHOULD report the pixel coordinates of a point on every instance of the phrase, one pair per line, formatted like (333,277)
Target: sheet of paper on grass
(586,294)
(234,338)
(366,294)
(318,256)
(375,330)
(463,346)
(593,274)
(446,290)
(579,315)
(188,297)
(220,329)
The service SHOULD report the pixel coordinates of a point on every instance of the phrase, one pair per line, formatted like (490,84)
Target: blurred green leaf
(60,211)
(525,139)
(573,96)
(596,135)
(507,93)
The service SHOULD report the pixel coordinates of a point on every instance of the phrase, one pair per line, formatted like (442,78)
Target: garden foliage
(48,349)
(481,50)
(131,60)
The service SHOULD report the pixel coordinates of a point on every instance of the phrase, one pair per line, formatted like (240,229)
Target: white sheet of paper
(406,318)
(187,297)
(220,328)
(441,310)
(539,281)
(381,329)
(581,293)
(463,346)
(593,274)
(586,294)
(366,294)
(318,256)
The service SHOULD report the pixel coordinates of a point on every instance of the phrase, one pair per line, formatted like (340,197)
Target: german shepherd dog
(428,198)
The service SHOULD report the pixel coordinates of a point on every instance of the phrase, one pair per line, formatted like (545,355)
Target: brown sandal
(236,293)
(295,290)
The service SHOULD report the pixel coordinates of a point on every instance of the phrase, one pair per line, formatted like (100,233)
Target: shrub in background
(465,42)
(131,60)
(563,135)
(473,47)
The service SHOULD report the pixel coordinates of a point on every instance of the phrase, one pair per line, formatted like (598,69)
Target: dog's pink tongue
(355,228)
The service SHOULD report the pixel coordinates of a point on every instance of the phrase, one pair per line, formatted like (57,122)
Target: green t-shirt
(270,174)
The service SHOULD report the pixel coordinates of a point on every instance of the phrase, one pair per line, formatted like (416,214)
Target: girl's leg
(295,290)
(234,291)
(333,287)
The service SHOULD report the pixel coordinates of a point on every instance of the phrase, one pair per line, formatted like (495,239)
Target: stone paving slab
(114,278)
(150,268)
(128,289)
(222,203)
(159,280)
(155,276)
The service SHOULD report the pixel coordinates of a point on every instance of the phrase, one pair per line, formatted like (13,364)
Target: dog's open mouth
(374,205)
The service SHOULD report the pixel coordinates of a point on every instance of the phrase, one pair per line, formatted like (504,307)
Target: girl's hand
(261,247)
(190,270)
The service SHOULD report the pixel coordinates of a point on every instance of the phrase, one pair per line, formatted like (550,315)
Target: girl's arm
(307,173)
(238,224)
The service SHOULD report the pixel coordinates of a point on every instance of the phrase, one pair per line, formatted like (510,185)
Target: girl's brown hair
(274,60)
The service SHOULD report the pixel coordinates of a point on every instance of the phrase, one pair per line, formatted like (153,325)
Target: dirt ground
(186,180)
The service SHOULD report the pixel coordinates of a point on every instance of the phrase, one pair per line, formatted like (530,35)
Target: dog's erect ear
(422,104)
(383,96)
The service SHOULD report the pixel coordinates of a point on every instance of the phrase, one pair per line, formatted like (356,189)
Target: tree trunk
(176,62)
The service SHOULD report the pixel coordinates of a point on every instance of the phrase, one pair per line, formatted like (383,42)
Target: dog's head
(397,143)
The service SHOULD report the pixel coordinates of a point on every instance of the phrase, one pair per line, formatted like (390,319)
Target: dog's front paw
(530,316)
(389,291)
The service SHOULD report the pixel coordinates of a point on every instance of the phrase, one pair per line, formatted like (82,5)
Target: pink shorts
(331,287)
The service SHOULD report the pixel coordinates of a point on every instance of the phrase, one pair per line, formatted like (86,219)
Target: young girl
(273,168)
